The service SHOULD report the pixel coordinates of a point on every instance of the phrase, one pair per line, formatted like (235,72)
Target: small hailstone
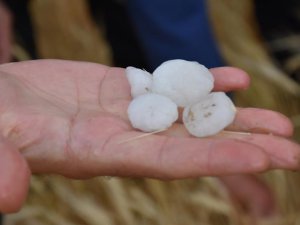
(152,112)
(140,81)
(210,115)
(182,81)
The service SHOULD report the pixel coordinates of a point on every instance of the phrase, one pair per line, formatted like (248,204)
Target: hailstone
(152,112)
(184,82)
(140,81)
(210,115)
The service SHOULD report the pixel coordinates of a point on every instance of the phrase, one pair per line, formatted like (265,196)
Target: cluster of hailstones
(178,83)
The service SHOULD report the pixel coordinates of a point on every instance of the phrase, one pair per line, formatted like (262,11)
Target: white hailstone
(209,116)
(140,81)
(184,82)
(152,112)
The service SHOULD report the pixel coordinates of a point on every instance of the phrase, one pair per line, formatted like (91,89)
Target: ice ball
(140,81)
(209,116)
(185,82)
(152,112)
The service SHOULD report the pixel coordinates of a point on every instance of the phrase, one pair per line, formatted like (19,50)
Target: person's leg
(172,29)
(119,33)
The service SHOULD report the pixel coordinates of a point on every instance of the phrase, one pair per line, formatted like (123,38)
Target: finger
(229,78)
(174,158)
(284,153)
(252,194)
(226,78)
(256,120)
(261,121)
(14,178)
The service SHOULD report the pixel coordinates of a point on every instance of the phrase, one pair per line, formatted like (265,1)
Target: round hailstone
(140,81)
(209,116)
(152,112)
(184,82)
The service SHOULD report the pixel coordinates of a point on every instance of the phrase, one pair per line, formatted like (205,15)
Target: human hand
(70,118)
(5,33)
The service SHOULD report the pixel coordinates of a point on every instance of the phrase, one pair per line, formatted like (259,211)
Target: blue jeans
(172,29)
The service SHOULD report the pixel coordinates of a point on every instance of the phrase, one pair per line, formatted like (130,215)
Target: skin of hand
(70,118)
(5,33)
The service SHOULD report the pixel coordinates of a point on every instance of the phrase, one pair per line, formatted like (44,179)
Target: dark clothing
(174,29)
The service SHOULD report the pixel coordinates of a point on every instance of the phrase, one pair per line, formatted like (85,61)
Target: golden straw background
(54,200)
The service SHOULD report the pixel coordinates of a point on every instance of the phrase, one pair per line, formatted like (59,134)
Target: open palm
(70,118)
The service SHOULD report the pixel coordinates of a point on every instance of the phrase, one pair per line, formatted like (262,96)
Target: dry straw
(242,46)
(55,200)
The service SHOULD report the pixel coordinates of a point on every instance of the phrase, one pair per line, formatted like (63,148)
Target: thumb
(14,178)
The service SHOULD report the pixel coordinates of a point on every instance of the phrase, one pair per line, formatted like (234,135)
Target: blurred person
(174,29)
(5,33)
(15,26)
(146,33)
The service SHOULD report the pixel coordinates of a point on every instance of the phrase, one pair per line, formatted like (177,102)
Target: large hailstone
(152,112)
(209,116)
(182,81)
(140,81)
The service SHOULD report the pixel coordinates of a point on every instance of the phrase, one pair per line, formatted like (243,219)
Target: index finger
(230,78)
